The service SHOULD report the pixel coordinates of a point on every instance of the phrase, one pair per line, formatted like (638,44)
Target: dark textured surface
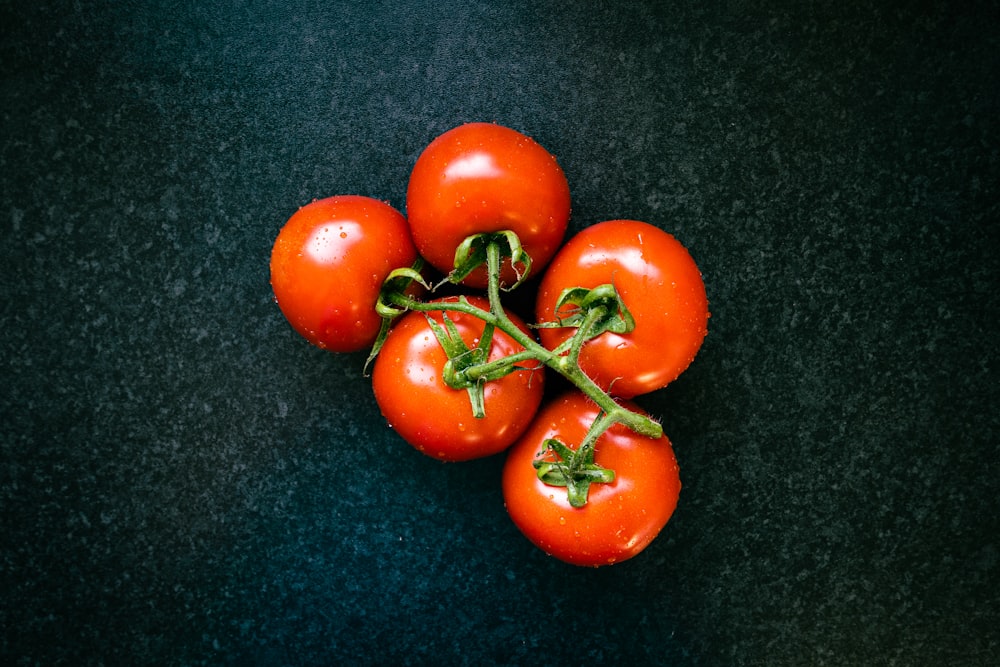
(184,481)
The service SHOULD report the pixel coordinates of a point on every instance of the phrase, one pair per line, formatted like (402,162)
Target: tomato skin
(436,419)
(620,518)
(483,177)
(328,264)
(660,284)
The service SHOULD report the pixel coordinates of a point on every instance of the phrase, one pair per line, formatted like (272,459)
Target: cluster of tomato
(620,311)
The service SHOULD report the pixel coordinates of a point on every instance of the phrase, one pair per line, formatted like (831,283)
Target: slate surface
(184,481)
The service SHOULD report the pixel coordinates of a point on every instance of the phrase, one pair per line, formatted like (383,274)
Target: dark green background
(185,481)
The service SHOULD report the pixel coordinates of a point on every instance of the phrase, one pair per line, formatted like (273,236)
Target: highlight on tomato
(439,420)
(484,178)
(621,517)
(328,263)
(659,284)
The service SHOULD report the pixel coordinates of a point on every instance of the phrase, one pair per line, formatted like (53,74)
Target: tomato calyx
(461,357)
(592,311)
(399,281)
(395,290)
(473,253)
(467,367)
(575,470)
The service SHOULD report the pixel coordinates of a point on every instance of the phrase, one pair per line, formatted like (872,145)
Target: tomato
(658,282)
(436,419)
(328,264)
(621,517)
(483,177)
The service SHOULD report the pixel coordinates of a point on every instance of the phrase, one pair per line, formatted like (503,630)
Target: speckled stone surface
(184,481)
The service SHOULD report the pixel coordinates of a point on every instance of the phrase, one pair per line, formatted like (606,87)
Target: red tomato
(621,517)
(483,177)
(659,283)
(328,264)
(436,419)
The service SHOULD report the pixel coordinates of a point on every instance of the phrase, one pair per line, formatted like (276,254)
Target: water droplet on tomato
(562,521)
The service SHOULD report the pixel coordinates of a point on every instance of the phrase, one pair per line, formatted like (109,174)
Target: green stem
(575,470)
(497,366)
(566,365)
(585,452)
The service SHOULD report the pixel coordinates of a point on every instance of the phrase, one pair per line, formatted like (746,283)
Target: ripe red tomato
(621,517)
(328,264)
(483,177)
(436,419)
(659,283)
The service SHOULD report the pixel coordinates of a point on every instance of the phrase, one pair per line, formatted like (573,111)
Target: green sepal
(574,470)
(383,333)
(471,254)
(574,304)
(461,357)
(396,283)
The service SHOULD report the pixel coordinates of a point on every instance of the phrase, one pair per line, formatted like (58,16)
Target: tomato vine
(620,310)
(597,310)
